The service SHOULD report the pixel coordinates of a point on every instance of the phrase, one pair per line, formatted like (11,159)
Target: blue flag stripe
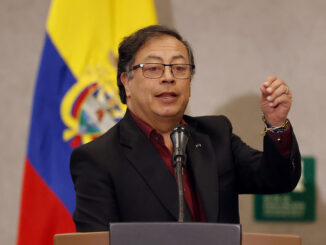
(47,151)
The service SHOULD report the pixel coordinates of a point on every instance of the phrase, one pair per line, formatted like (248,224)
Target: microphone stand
(179,164)
(179,137)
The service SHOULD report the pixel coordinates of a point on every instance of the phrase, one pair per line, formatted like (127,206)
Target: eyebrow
(160,58)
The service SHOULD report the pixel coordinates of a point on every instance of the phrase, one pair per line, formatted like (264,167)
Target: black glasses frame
(135,67)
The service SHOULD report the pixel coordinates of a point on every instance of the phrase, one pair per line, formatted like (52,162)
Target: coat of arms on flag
(90,107)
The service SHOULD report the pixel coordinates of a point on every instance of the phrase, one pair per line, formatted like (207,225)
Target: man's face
(164,97)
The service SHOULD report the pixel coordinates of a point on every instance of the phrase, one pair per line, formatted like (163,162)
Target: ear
(126,82)
(190,88)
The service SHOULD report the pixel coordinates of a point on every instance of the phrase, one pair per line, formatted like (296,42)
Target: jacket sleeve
(95,198)
(265,172)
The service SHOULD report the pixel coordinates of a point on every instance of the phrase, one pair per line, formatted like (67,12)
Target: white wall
(21,40)
(236,44)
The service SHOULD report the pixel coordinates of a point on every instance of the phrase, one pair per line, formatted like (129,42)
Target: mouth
(167,97)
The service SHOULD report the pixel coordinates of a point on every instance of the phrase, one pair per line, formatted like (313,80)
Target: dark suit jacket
(121,177)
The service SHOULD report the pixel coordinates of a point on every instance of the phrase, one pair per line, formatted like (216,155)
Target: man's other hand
(276,100)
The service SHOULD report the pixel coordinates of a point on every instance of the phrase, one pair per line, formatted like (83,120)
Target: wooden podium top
(99,238)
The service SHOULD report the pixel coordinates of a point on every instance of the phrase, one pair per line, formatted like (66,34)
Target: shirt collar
(146,128)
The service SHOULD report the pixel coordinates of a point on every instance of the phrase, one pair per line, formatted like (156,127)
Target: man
(127,174)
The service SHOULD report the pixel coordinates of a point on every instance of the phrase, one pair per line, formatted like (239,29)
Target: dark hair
(131,44)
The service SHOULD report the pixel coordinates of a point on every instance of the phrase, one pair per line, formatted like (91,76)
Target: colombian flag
(76,99)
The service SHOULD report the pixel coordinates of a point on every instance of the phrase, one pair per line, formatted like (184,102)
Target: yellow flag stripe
(87,33)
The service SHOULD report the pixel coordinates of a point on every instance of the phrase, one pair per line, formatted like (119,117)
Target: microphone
(179,136)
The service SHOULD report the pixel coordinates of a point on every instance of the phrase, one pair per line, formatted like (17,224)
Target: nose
(167,76)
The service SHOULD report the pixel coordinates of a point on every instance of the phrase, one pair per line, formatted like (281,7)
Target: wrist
(280,128)
(272,123)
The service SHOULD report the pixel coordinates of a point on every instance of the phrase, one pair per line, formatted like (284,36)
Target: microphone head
(179,136)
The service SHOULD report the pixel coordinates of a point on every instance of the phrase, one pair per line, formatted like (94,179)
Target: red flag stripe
(40,208)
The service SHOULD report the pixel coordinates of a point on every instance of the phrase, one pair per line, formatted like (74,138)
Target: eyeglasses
(156,70)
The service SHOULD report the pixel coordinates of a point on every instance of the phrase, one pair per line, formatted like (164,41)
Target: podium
(118,235)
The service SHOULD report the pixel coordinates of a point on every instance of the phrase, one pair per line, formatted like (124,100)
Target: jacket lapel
(201,159)
(144,157)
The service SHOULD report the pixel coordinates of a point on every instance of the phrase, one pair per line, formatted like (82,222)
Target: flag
(75,100)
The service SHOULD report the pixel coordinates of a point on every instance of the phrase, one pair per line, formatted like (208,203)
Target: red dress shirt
(190,193)
(282,140)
